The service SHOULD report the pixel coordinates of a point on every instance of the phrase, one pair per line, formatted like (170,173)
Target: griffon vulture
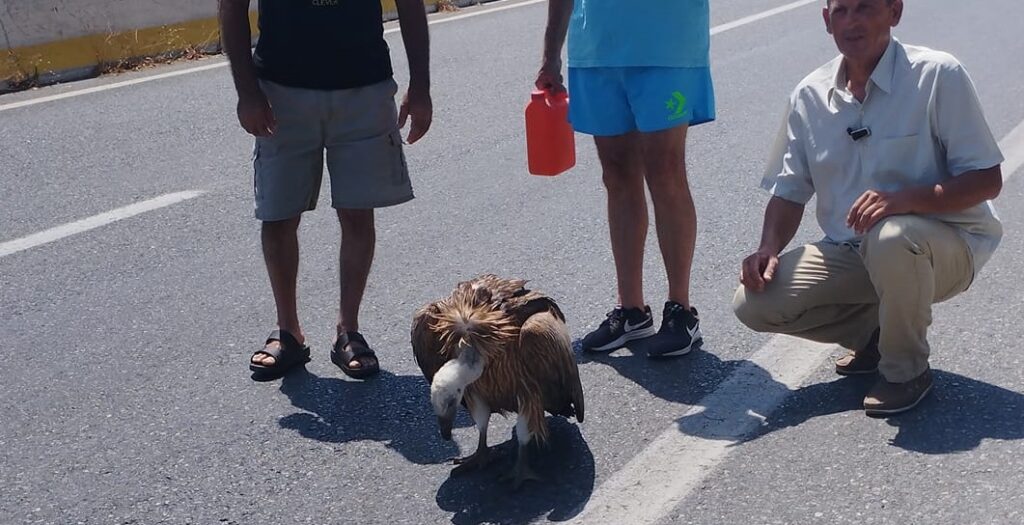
(496,347)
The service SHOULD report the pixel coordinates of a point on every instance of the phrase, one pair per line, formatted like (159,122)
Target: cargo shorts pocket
(369,173)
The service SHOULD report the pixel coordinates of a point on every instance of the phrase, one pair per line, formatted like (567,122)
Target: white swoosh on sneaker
(694,331)
(630,327)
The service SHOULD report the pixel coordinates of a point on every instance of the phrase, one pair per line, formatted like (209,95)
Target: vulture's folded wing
(548,358)
(426,345)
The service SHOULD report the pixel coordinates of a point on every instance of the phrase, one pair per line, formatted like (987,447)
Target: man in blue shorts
(639,77)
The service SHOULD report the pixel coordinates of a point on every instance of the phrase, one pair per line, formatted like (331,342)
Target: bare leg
(358,239)
(674,214)
(281,254)
(627,212)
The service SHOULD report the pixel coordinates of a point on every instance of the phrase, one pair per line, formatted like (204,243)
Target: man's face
(861,28)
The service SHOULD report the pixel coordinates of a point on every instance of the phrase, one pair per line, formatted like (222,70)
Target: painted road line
(484,10)
(115,85)
(655,481)
(1012,147)
(96,221)
(760,16)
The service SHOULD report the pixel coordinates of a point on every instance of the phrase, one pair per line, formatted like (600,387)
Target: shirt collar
(881,77)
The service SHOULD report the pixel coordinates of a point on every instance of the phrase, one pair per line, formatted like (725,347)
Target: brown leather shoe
(863,361)
(886,398)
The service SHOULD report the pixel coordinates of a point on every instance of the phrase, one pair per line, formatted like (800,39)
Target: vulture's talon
(478,461)
(519,475)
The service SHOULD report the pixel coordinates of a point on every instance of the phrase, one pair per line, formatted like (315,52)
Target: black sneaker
(679,333)
(620,326)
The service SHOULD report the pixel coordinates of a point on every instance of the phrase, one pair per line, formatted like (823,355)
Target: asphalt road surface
(127,398)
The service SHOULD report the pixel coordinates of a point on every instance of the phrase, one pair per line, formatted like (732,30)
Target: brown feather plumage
(530,367)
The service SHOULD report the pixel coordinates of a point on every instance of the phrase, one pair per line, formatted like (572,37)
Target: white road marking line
(90,223)
(658,478)
(1012,147)
(486,9)
(653,483)
(760,16)
(106,87)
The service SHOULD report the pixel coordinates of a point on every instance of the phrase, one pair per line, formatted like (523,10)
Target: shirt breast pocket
(895,162)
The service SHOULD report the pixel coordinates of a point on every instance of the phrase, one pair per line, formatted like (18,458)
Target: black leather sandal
(287,354)
(349,347)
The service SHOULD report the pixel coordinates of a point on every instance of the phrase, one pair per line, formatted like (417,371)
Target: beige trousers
(839,293)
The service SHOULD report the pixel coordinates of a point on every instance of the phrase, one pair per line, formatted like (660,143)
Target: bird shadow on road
(957,416)
(387,408)
(565,463)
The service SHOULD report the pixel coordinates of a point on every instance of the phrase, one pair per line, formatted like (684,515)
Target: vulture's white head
(450,384)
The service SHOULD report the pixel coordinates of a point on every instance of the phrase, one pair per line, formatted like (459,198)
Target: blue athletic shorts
(608,101)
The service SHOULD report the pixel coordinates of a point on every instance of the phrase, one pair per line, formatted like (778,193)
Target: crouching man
(892,140)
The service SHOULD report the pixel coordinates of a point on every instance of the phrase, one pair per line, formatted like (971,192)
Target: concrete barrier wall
(46,41)
(32,22)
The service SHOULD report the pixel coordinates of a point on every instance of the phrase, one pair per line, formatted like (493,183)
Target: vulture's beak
(446,423)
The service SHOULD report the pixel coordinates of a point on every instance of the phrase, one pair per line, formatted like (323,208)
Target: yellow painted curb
(90,52)
(94,50)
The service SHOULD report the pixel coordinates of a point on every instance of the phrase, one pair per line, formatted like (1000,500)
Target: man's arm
(254,113)
(953,195)
(550,75)
(971,154)
(781,221)
(412,17)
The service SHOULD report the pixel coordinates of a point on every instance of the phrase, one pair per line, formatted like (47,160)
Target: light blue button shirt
(652,33)
(926,126)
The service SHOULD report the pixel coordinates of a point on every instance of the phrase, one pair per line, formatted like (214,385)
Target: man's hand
(758,270)
(417,104)
(874,206)
(549,78)
(255,115)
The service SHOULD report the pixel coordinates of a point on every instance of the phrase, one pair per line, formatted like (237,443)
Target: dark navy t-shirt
(322,44)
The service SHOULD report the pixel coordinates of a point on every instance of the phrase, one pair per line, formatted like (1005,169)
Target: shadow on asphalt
(394,410)
(685,379)
(957,416)
(565,463)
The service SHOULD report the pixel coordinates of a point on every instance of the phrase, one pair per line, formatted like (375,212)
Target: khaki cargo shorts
(356,128)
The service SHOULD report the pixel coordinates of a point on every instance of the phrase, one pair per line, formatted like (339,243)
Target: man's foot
(887,399)
(353,356)
(679,333)
(280,352)
(863,361)
(621,326)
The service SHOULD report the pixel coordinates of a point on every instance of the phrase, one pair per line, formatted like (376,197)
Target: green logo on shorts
(676,105)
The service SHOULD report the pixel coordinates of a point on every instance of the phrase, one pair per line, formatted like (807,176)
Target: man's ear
(828,20)
(897,12)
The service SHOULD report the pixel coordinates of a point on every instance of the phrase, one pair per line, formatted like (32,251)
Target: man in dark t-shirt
(321,81)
